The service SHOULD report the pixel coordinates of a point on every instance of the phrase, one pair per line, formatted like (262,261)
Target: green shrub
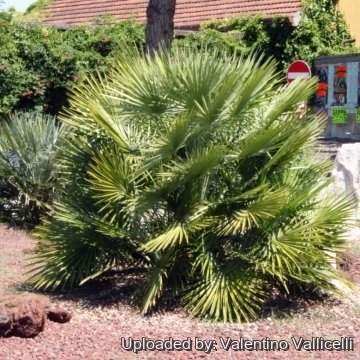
(322,30)
(39,64)
(243,35)
(30,166)
(189,164)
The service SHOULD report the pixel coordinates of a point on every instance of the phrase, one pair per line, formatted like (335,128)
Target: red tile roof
(189,13)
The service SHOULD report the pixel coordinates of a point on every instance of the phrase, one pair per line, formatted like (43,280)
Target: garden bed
(102,316)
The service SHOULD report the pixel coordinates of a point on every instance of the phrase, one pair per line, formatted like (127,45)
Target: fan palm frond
(30,147)
(195,158)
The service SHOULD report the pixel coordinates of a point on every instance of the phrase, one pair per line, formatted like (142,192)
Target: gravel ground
(96,328)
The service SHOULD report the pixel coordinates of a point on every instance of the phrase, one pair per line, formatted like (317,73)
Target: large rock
(28,319)
(346,174)
(59,315)
(5,322)
(11,301)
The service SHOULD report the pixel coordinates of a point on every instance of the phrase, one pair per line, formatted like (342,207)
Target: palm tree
(194,166)
(30,145)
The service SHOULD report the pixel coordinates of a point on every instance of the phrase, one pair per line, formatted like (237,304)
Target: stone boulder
(11,301)
(59,315)
(28,318)
(5,322)
(25,315)
(346,174)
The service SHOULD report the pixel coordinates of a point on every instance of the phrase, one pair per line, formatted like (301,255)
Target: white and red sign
(298,70)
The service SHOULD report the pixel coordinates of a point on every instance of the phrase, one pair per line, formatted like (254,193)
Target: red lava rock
(5,322)
(11,301)
(44,301)
(59,315)
(28,319)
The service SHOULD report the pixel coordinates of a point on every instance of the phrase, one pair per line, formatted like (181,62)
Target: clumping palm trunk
(160,24)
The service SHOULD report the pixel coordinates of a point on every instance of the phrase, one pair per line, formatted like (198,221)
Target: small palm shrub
(191,166)
(30,146)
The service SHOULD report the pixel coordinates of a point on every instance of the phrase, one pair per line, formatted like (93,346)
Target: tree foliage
(37,5)
(190,165)
(322,31)
(38,64)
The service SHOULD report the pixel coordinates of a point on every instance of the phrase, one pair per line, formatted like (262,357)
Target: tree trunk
(160,24)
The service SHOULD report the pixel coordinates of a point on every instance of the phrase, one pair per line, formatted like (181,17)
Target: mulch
(97,326)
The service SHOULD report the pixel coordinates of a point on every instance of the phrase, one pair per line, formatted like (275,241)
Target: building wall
(351,10)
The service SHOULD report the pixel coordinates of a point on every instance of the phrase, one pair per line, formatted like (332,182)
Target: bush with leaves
(189,165)
(38,64)
(322,30)
(243,34)
(30,145)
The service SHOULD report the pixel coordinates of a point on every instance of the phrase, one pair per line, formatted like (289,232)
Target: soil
(102,315)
